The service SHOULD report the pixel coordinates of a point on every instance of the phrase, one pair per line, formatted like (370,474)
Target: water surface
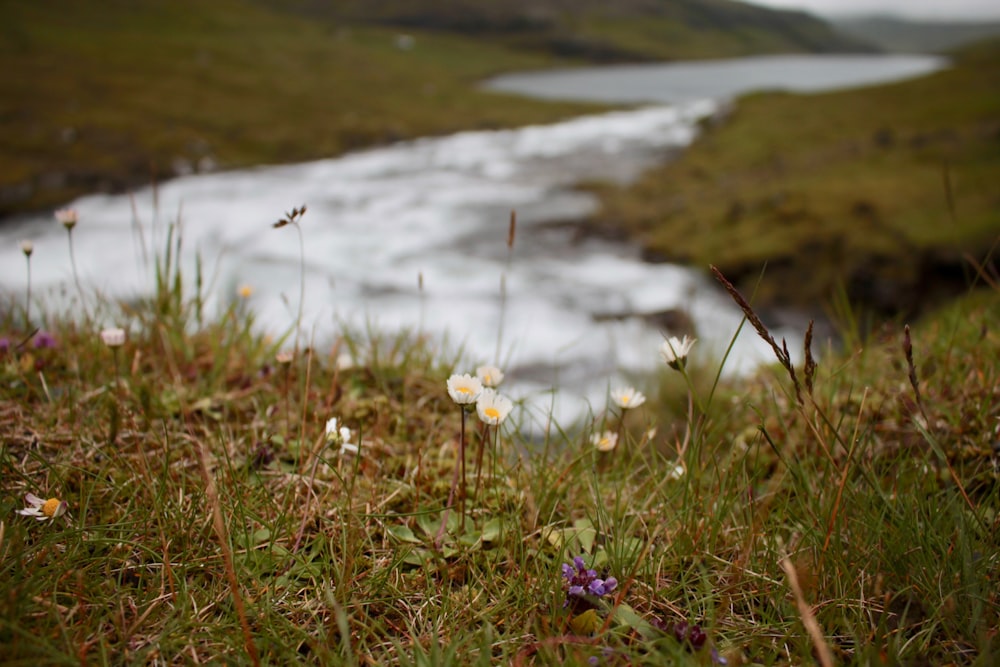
(715,79)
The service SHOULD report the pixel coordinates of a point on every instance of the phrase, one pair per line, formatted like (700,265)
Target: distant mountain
(598,30)
(905,36)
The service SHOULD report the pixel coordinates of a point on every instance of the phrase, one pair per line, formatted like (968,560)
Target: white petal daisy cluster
(491,406)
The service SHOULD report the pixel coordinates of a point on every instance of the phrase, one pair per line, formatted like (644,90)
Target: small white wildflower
(43,510)
(27,247)
(492,407)
(283,357)
(605,442)
(464,389)
(675,352)
(490,376)
(335,432)
(113,337)
(676,472)
(67,217)
(627,397)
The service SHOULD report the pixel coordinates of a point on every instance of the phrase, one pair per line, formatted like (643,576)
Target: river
(413,237)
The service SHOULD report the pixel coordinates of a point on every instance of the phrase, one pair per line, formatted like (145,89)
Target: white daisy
(675,352)
(43,510)
(492,407)
(490,376)
(113,337)
(464,389)
(605,442)
(627,397)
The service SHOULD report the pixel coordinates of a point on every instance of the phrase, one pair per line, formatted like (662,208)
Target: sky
(911,9)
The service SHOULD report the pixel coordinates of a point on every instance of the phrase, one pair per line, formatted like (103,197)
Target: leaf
(586,623)
(585,534)
(418,557)
(492,530)
(554,536)
(625,615)
(431,523)
(403,534)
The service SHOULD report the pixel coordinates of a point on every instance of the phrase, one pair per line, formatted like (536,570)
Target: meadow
(174,491)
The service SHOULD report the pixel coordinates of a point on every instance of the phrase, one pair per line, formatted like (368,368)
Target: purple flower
(581,582)
(692,637)
(44,340)
(5,348)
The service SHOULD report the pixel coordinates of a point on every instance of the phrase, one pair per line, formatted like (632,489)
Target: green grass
(204,499)
(890,184)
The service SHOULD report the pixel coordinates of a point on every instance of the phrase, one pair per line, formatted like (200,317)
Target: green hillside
(881,191)
(104,96)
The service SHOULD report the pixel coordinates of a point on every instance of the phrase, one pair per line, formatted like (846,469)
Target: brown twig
(808,618)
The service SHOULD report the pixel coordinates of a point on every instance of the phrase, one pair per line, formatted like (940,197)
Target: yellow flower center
(51,506)
(464,390)
(625,400)
(492,413)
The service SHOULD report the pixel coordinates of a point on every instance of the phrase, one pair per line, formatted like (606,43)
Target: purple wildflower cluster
(581,582)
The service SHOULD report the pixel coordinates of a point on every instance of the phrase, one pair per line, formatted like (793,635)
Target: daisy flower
(113,337)
(67,217)
(675,352)
(492,407)
(43,510)
(464,389)
(604,442)
(490,376)
(627,398)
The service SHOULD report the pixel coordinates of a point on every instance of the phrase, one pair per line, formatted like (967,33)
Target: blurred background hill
(897,35)
(100,97)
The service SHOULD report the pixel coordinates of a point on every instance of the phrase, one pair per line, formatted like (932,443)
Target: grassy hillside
(598,30)
(97,97)
(100,96)
(877,190)
(904,36)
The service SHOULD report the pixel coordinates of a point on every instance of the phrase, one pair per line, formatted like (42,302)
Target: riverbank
(886,195)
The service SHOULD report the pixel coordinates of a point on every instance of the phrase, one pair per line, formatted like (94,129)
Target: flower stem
(76,276)
(459,464)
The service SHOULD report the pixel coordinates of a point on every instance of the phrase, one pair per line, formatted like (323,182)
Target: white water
(436,208)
